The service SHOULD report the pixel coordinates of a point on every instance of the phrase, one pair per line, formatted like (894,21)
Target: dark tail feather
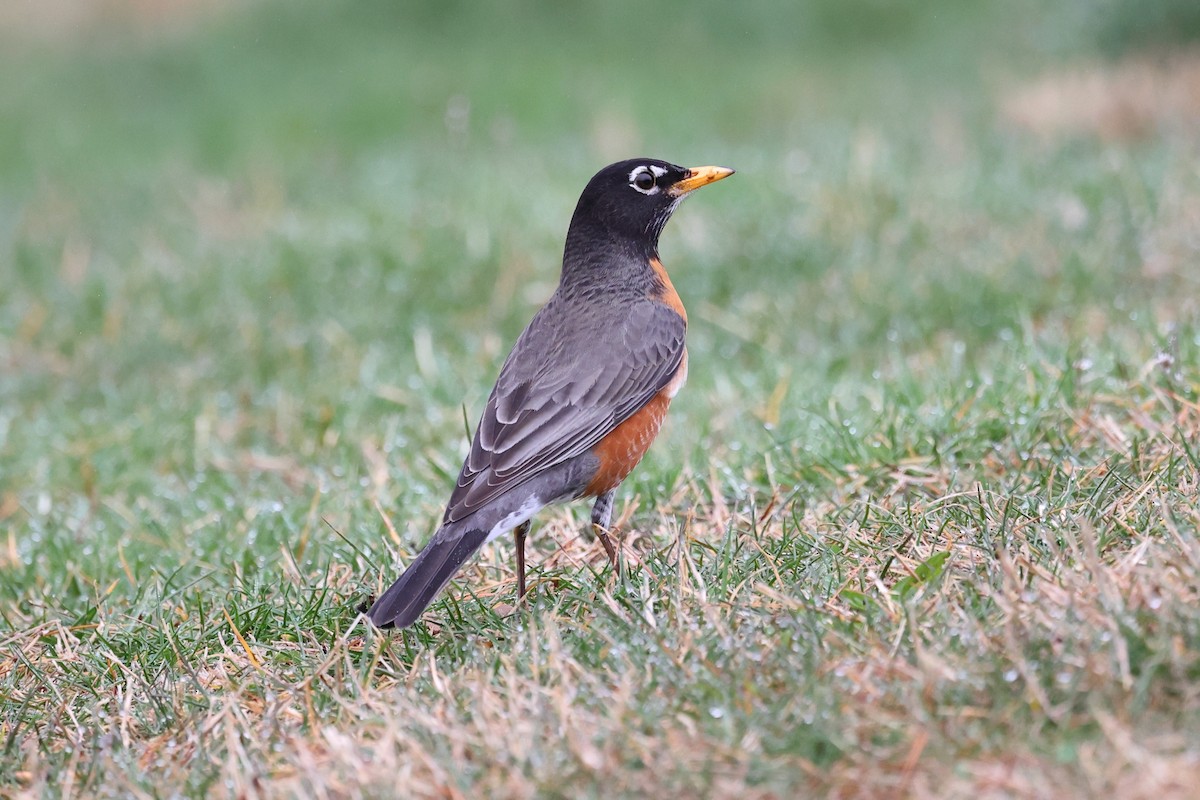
(425,577)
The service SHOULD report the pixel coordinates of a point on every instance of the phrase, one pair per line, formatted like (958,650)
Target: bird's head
(633,199)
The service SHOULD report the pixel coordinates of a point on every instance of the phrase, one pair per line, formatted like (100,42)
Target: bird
(583,392)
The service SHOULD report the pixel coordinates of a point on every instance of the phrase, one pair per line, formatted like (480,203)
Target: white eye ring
(638,179)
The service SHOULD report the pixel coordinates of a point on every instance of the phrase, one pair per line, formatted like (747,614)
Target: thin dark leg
(519,534)
(601,517)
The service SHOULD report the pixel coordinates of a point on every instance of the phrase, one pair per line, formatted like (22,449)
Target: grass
(924,521)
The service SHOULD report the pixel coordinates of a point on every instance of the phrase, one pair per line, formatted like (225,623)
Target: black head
(632,200)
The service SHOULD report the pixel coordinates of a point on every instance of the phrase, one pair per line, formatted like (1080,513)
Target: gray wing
(565,386)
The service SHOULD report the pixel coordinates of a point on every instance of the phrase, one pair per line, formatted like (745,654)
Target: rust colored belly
(621,450)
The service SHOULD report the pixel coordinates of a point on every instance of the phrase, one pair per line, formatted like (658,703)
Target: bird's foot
(606,539)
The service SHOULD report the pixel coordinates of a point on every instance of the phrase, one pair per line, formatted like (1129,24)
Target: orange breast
(669,296)
(621,450)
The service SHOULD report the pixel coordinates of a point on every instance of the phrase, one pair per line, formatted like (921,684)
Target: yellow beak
(697,177)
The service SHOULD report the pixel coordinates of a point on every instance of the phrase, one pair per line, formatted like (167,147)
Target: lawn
(924,522)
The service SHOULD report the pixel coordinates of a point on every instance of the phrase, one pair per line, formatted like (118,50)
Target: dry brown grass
(1082,618)
(1132,99)
(74,20)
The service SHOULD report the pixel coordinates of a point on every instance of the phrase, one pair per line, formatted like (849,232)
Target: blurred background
(260,262)
(267,246)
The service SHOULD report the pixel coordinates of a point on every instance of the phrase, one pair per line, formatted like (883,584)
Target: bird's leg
(601,517)
(519,533)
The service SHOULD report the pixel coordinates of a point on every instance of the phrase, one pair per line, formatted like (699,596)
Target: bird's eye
(644,181)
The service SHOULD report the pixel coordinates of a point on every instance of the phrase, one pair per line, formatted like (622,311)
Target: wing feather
(566,385)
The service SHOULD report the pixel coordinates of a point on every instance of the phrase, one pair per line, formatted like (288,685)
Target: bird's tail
(426,576)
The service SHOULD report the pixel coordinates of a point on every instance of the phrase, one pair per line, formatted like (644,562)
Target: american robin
(584,390)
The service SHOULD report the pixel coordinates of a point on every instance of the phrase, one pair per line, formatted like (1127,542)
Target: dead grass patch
(1128,100)
(70,20)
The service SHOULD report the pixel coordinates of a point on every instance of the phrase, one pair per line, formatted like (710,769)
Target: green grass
(923,522)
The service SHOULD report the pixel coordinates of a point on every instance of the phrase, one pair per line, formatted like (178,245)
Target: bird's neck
(595,254)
